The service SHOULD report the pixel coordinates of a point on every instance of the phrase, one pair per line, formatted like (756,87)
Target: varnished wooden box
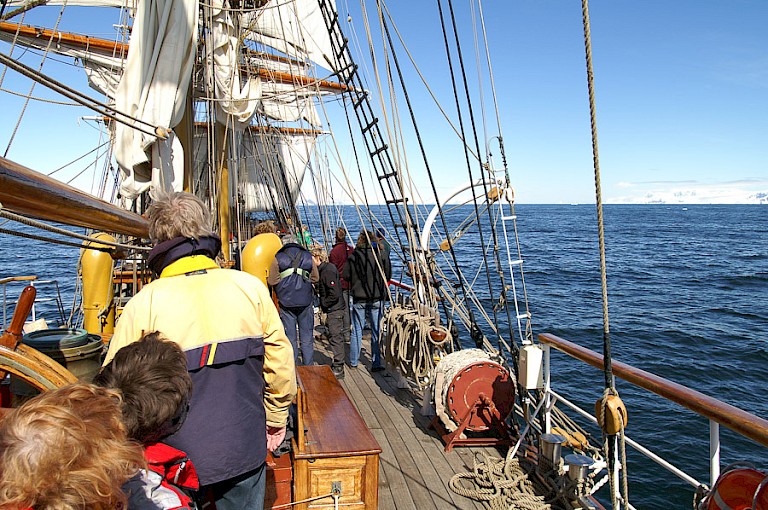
(333,446)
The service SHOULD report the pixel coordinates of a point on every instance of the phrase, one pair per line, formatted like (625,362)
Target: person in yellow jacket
(238,356)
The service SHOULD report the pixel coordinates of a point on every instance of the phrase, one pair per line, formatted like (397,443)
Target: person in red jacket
(338,257)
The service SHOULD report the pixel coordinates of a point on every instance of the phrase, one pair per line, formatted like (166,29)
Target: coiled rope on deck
(502,485)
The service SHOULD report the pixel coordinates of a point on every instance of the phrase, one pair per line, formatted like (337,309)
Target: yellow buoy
(258,254)
(98,291)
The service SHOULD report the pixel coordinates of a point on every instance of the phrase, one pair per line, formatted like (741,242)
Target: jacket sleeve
(125,332)
(314,275)
(274,273)
(346,273)
(279,368)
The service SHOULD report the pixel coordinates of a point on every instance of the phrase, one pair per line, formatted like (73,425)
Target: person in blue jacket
(292,275)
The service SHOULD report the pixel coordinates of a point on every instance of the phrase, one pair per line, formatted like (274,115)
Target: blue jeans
(373,311)
(302,319)
(246,492)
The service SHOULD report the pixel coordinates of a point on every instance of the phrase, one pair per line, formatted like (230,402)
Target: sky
(681,94)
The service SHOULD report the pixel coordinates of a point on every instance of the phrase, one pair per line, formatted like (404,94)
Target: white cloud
(691,192)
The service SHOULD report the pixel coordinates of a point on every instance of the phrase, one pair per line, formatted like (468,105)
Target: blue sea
(688,301)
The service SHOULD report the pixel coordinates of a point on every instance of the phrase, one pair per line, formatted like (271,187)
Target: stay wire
(474,327)
(497,261)
(473,323)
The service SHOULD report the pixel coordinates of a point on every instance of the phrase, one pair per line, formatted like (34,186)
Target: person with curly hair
(67,449)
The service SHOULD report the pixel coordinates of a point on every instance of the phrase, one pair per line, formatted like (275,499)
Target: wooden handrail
(10,279)
(738,420)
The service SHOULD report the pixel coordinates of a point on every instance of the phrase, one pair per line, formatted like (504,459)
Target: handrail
(10,279)
(738,420)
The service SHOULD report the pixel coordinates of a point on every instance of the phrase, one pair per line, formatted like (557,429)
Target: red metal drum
(483,377)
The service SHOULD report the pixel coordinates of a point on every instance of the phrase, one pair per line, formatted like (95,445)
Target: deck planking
(414,469)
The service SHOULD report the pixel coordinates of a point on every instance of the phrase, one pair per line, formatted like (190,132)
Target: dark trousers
(299,324)
(245,492)
(334,321)
(346,328)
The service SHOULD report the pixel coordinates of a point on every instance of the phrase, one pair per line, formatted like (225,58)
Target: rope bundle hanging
(411,340)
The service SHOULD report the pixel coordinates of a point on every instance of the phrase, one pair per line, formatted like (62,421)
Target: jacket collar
(168,252)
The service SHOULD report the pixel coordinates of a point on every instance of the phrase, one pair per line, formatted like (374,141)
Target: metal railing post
(547,394)
(714,452)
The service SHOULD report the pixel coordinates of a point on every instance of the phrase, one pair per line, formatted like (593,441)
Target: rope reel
(470,380)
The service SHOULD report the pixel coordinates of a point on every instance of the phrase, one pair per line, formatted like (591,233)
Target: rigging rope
(610,387)
(466,156)
(64,232)
(473,324)
(97,106)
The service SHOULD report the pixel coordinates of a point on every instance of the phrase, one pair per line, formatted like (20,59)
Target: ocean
(688,301)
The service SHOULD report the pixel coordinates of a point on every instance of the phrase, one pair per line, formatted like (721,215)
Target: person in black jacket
(329,291)
(368,272)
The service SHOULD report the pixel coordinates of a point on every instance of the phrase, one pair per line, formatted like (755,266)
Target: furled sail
(103,60)
(236,97)
(154,88)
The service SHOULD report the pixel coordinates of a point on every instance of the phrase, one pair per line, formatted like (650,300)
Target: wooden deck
(414,469)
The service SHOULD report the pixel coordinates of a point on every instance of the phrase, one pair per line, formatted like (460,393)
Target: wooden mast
(222,187)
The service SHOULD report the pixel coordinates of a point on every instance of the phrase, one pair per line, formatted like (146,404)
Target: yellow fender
(258,254)
(98,291)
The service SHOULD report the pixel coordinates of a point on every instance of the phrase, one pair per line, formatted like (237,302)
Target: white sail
(295,28)
(236,98)
(272,169)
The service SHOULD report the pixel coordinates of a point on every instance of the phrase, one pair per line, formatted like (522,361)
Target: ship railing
(717,412)
(22,281)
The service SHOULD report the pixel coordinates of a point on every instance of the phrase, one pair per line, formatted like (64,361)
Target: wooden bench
(333,447)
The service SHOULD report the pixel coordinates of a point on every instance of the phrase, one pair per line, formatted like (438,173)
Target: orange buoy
(737,489)
(760,502)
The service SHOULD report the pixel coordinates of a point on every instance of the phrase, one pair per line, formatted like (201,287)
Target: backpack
(170,481)
(294,290)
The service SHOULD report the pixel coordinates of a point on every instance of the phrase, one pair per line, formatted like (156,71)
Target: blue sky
(681,92)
